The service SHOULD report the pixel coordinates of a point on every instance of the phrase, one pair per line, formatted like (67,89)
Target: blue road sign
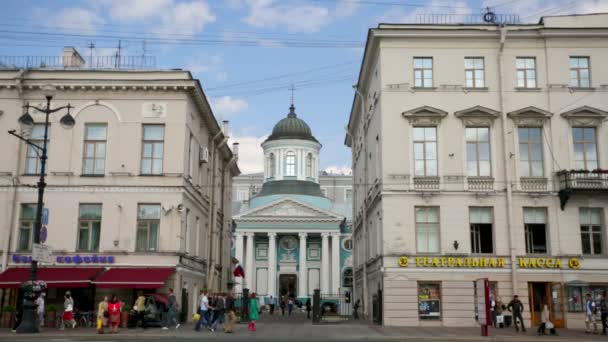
(44,232)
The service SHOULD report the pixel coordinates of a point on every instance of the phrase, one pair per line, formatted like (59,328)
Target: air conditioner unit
(203,155)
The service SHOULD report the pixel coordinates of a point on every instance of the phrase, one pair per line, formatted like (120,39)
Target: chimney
(225,128)
(235,149)
(71,58)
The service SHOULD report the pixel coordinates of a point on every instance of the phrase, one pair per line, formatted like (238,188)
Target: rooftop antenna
(117,63)
(91,46)
(143,53)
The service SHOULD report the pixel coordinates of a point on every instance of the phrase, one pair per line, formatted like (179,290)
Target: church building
(288,238)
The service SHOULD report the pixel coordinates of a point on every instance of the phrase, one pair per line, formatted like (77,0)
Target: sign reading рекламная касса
(482,262)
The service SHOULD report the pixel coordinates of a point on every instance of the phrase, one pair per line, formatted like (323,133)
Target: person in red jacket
(114,310)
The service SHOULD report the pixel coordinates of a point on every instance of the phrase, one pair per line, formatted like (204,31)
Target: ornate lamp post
(28,322)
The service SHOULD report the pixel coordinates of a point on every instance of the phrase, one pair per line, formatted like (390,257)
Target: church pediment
(288,209)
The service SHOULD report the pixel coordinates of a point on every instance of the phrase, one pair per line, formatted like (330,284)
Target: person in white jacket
(590,311)
(544,318)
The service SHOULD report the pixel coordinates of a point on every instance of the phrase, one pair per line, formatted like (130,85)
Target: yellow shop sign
(453,262)
(573,263)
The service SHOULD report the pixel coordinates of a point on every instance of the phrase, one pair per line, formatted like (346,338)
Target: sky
(248,53)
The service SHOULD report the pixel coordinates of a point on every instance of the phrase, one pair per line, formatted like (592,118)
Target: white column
(324,263)
(272,264)
(303,277)
(249,263)
(335,263)
(239,256)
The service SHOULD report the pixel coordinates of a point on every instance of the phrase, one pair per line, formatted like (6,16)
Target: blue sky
(247,53)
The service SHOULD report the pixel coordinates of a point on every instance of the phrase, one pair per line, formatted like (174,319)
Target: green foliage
(9,308)
(126,308)
(52,308)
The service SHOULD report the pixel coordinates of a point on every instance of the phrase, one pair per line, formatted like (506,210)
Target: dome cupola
(291,127)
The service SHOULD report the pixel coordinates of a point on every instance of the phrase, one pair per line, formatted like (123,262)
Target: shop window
(26,226)
(576,296)
(591,230)
(481,222)
(427,229)
(429,301)
(89,227)
(347,278)
(148,222)
(536,230)
(32,157)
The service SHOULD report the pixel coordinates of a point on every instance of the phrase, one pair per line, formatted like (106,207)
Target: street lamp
(28,322)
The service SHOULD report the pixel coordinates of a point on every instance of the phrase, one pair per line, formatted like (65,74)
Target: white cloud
(295,18)
(408,15)
(76,18)
(226,106)
(251,155)
(346,8)
(340,170)
(137,9)
(208,64)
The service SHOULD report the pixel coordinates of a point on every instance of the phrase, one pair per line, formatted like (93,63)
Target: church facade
(287,236)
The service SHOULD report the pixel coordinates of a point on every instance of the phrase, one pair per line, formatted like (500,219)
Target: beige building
(139,190)
(481,151)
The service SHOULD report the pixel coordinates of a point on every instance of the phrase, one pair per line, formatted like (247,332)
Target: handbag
(500,319)
(549,325)
(70,308)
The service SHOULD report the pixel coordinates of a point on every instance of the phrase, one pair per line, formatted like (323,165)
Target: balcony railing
(581,181)
(72,62)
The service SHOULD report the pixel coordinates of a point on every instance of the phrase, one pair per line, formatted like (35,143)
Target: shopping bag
(500,319)
(99,324)
(549,325)
(196,317)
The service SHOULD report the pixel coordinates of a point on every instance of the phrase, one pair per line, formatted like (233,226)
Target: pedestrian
(172,312)
(18,317)
(204,311)
(590,312)
(220,311)
(356,308)
(212,311)
(272,302)
(500,318)
(290,305)
(140,310)
(544,318)
(229,326)
(282,305)
(114,313)
(604,312)
(68,311)
(309,308)
(40,309)
(102,315)
(516,307)
(254,314)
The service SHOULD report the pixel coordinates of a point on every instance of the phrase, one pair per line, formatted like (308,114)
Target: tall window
(423,72)
(474,72)
(427,229)
(26,226)
(530,151)
(579,72)
(478,151)
(94,160)
(89,227)
(591,230)
(290,164)
(148,222)
(526,72)
(482,240)
(585,148)
(535,222)
(153,146)
(32,158)
(272,165)
(425,151)
(309,165)
(191,156)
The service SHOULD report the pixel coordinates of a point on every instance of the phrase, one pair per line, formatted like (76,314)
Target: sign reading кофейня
(481,262)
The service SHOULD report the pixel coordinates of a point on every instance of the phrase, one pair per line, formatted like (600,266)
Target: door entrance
(288,285)
(550,294)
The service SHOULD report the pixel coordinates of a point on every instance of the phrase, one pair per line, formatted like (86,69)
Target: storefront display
(577,293)
(429,301)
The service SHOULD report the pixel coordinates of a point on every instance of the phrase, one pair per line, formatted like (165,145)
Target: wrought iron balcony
(581,181)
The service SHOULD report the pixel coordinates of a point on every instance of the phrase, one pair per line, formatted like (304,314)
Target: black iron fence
(84,62)
(332,307)
(583,180)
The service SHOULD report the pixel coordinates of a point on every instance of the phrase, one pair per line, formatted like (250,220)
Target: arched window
(347,278)
(309,165)
(272,165)
(290,164)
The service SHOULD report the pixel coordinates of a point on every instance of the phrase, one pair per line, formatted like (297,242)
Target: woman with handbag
(254,313)
(68,311)
(102,315)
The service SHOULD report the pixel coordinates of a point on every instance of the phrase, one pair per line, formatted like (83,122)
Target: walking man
(516,306)
(220,310)
(604,312)
(282,304)
(272,302)
(40,309)
(172,312)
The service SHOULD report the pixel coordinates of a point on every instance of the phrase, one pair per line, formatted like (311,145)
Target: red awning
(68,277)
(134,278)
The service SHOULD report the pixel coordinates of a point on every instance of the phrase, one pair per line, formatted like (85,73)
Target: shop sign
(573,263)
(69,259)
(454,262)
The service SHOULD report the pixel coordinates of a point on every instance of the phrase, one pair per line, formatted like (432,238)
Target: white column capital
(335,233)
(272,235)
(249,233)
(324,235)
(303,235)
(239,233)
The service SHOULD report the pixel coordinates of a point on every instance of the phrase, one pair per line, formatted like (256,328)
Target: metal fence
(72,62)
(333,307)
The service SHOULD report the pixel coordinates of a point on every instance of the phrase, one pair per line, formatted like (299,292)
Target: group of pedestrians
(213,310)
(592,310)
(108,314)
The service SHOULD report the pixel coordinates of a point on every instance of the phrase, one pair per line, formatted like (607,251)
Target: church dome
(291,128)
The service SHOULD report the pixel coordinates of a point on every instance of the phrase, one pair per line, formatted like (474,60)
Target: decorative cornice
(477,116)
(425,115)
(585,116)
(530,116)
(149,85)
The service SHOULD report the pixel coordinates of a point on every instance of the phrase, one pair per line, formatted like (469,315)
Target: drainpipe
(15,178)
(226,173)
(506,156)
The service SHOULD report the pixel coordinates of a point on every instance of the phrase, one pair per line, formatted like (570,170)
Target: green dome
(291,128)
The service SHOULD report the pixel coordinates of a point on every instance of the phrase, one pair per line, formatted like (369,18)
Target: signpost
(42,253)
(484,317)
(44,232)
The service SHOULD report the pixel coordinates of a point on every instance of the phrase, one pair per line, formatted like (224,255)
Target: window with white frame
(261,252)
(530,151)
(535,222)
(26,226)
(425,151)
(592,231)
(32,157)
(89,227)
(148,223)
(585,148)
(481,223)
(478,151)
(153,145)
(423,72)
(290,164)
(474,71)
(427,229)
(309,165)
(526,72)
(579,72)
(94,157)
